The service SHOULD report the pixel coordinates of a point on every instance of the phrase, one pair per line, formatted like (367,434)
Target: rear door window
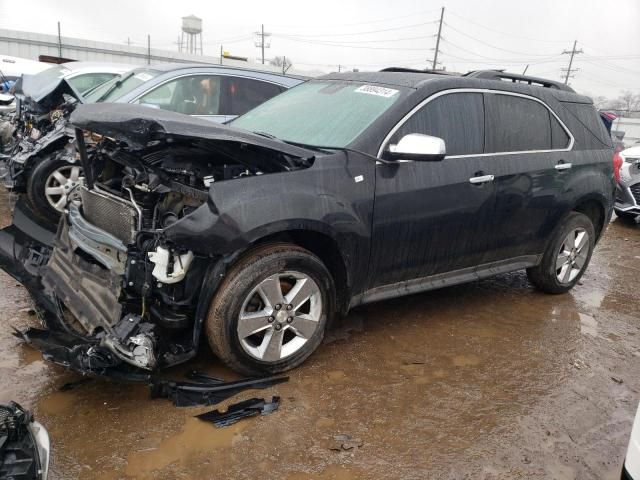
(191,95)
(516,124)
(243,94)
(457,118)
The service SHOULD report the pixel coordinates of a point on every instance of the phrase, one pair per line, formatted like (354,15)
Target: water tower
(192,28)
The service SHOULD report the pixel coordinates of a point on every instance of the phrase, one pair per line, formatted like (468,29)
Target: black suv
(348,189)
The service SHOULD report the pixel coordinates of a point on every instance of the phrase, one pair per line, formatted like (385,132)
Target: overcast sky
(373,34)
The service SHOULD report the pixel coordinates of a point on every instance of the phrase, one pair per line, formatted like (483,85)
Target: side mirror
(418,147)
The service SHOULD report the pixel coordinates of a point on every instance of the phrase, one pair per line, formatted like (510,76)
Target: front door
(435,217)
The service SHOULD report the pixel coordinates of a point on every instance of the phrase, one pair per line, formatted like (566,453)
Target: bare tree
(629,101)
(282,62)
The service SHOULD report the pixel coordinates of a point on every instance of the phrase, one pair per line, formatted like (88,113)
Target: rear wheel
(270,312)
(566,257)
(53,183)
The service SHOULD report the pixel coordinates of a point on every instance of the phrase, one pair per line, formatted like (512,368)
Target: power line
(494,46)
(381,20)
(404,27)
(330,44)
(505,33)
(342,42)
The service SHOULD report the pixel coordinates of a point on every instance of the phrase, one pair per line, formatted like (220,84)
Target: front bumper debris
(245,409)
(24,445)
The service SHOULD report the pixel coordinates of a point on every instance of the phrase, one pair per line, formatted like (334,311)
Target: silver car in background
(627,205)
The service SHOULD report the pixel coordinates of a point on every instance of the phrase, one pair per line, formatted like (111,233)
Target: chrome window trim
(203,74)
(480,90)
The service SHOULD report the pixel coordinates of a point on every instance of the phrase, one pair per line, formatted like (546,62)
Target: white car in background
(627,172)
(631,467)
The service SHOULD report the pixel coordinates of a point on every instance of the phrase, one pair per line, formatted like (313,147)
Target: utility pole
(573,53)
(261,42)
(435,55)
(284,64)
(149,49)
(59,42)
(221,54)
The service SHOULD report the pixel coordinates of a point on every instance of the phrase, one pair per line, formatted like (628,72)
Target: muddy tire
(270,312)
(567,256)
(51,185)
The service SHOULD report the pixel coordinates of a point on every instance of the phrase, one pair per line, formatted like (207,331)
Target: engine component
(137,351)
(161,257)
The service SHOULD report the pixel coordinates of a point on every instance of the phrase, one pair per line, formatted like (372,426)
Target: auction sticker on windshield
(375,90)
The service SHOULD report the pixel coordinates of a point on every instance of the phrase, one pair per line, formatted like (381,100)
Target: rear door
(530,164)
(428,216)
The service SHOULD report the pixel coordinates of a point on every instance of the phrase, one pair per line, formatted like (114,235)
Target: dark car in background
(48,171)
(259,233)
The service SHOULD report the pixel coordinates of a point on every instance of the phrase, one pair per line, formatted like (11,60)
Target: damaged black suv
(345,190)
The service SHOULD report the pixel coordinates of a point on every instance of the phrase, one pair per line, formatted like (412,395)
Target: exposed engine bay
(119,281)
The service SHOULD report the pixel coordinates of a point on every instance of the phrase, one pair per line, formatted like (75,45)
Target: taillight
(617,165)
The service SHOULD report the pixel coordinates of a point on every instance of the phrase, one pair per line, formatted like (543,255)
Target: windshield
(58,71)
(121,85)
(321,113)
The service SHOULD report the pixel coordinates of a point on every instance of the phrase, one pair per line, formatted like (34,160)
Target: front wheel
(270,312)
(53,183)
(566,257)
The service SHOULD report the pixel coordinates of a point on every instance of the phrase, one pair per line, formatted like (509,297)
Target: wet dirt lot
(489,380)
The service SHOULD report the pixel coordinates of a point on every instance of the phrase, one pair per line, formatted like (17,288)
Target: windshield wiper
(268,135)
(116,84)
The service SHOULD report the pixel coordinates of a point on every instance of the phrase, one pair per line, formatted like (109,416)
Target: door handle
(563,166)
(481,179)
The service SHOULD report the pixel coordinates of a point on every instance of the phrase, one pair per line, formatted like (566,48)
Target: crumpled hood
(45,92)
(137,125)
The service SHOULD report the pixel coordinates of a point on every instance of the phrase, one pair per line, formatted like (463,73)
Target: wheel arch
(595,209)
(319,243)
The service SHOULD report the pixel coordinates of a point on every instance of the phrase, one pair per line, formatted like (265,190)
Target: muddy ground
(489,380)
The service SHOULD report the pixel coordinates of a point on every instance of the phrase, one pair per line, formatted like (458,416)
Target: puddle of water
(588,325)
(196,437)
(57,403)
(468,360)
(332,472)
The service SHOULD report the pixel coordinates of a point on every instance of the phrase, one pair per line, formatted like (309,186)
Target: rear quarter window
(590,132)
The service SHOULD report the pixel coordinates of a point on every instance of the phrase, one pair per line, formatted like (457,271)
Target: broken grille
(110,213)
(635,191)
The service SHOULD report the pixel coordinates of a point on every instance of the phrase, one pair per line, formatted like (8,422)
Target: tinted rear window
(516,124)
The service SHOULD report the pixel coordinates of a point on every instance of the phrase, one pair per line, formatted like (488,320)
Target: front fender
(334,197)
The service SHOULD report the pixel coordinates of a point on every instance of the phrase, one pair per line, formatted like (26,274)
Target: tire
(627,217)
(545,276)
(242,293)
(43,176)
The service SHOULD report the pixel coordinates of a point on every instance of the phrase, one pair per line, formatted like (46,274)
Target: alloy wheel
(572,255)
(279,316)
(61,186)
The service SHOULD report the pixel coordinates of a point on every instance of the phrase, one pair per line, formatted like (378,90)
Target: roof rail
(415,70)
(501,75)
